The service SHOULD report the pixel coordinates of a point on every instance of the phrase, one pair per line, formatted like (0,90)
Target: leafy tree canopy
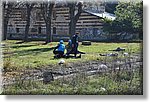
(129,18)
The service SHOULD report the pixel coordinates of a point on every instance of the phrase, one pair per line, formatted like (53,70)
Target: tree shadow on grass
(33,51)
(20,42)
(20,46)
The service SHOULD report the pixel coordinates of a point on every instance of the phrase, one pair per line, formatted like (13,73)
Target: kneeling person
(59,49)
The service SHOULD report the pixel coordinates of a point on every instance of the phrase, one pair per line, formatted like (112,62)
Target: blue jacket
(61,47)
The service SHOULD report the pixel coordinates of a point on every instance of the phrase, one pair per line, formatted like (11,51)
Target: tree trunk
(27,25)
(48,33)
(46,9)
(74,18)
(29,9)
(5,26)
(6,19)
(48,22)
(72,21)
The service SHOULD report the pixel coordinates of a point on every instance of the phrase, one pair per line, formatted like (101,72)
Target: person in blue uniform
(59,49)
(69,46)
(74,42)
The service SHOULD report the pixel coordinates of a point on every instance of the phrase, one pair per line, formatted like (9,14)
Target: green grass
(37,54)
(90,85)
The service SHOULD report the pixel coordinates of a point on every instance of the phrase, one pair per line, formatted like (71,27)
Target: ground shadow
(22,46)
(20,42)
(33,51)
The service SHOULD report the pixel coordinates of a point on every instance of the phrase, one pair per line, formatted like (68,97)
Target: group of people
(71,47)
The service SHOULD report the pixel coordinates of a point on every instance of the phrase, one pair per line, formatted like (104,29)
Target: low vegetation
(108,84)
(37,55)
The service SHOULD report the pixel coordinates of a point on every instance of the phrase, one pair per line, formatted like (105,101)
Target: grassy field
(37,54)
(104,85)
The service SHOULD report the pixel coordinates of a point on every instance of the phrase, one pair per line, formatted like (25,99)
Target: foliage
(111,7)
(129,15)
(129,19)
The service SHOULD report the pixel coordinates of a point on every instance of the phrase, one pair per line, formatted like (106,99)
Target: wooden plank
(88,17)
(98,23)
(86,20)
(61,8)
(62,25)
(59,28)
(89,21)
(21,22)
(40,21)
(62,12)
(92,18)
(16,16)
(85,14)
(66,21)
(16,13)
(82,27)
(17,19)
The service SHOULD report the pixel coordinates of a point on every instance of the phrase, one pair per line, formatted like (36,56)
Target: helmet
(77,33)
(61,41)
(69,41)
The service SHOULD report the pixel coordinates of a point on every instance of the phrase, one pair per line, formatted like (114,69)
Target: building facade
(89,25)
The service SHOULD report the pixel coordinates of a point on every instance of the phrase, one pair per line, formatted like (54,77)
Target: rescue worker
(59,49)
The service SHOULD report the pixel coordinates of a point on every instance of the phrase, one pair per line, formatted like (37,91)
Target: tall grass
(100,85)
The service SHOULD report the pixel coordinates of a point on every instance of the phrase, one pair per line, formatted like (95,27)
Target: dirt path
(67,70)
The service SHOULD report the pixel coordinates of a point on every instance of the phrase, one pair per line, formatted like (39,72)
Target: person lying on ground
(118,49)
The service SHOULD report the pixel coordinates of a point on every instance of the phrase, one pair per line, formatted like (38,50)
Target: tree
(129,19)
(138,20)
(46,9)
(110,7)
(29,7)
(74,17)
(7,9)
(129,16)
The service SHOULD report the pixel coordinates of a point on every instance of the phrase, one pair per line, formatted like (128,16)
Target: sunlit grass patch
(37,54)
